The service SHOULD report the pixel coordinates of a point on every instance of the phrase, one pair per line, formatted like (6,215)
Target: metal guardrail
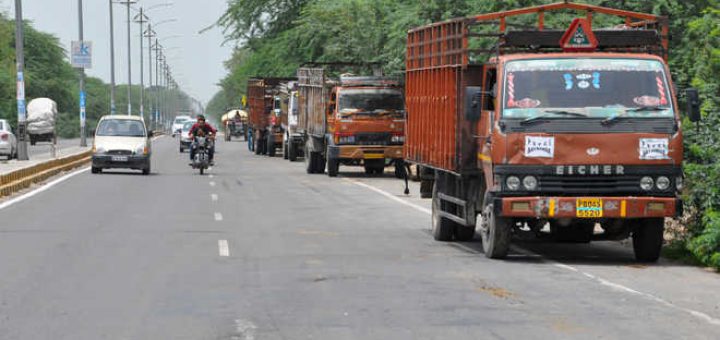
(23,178)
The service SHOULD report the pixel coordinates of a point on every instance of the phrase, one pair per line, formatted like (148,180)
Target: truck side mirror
(693,105)
(473,98)
(277,112)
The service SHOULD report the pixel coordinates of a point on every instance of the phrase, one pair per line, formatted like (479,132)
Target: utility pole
(83,137)
(141,19)
(22,152)
(150,34)
(129,55)
(113,109)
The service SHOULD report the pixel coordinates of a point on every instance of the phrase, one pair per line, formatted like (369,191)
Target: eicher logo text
(589,170)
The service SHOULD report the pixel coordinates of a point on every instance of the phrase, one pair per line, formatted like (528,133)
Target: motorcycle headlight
(512,183)
(662,183)
(646,183)
(530,182)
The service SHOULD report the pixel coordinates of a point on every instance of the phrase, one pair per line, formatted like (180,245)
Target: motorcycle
(201,160)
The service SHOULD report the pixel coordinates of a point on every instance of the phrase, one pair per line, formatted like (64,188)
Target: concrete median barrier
(20,179)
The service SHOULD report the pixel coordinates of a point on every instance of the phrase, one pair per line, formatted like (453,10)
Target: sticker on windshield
(654,148)
(539,147)
(647,101)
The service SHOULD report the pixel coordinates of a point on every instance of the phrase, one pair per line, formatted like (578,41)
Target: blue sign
(81,54)
(82,108)
(22,114)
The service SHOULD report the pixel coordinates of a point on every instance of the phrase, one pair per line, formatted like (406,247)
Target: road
(260,250)
(43,148)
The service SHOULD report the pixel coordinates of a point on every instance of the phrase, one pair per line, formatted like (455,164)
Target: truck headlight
(662,183)
(530,182)
(512,183)
(647,183)
(346,140)
(397,139)
(679,183)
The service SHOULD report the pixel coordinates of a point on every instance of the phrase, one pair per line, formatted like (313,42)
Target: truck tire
(464,233)
(647,239)
(270,145)
(311,160)
(442,228)
(292,152)
(286,153)
(319,163)
(333,167)
(495,234)
(257,145)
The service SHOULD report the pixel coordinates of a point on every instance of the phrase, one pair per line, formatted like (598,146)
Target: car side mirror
(693,105)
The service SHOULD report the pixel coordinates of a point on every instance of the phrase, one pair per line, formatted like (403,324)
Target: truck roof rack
(462,41)
(347,80)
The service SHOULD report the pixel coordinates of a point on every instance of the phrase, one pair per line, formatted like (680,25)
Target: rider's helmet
(200,118)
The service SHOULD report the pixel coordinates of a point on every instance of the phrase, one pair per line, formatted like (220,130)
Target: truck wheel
(292,152)
(257,146)
(442,228)
(285,150)
(319,163)
(647,239)
(270,145)
(495,234)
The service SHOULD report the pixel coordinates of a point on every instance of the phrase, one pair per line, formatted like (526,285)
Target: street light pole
(129,55)
(83,137)
(150,34)
(141,19)
(113,109)
(22,153)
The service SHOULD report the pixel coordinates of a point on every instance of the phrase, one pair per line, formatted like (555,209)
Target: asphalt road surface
(260,250)
(43,148)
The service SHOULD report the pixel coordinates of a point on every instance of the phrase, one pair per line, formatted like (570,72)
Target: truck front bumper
(588,207)
(365,152)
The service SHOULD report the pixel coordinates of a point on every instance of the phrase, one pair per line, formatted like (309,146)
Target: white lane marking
(212,183)
(218,217)
(44,187)
(390,196)
(615,286)
(211,176)
(223,248)
(214,197)
(245,330)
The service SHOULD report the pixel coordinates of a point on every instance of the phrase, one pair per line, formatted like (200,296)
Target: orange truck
(350,120)
(266,120)
(547,131)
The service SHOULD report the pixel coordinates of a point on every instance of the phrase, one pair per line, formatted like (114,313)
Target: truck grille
(372,138)
(590,184)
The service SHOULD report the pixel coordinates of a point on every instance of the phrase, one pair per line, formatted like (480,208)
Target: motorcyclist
(202,129)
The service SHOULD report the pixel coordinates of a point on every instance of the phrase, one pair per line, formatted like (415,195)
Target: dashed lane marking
(214,197)
(218,217)
(223,248)
(212,183)
(614,286)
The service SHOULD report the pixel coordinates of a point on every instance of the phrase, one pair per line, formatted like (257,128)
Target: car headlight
(512,183)
(142,150)
(99,150)
(530,182)
(679,183)
(397,139)
(646,183)
(662,183)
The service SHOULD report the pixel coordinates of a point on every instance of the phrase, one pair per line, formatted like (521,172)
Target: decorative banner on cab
(654,148)
(539,147)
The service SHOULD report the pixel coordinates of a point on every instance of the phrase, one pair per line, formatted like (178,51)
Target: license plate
(374,156)
(589,207)
(119,158)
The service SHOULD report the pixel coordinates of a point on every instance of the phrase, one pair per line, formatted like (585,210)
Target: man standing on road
(202,128)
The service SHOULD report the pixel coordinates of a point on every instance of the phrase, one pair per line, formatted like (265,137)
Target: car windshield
(187,125)
(370,101)
(586,88)
(121,128)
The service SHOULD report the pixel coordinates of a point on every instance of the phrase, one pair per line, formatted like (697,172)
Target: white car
(184,135)
(178,123)
(8,142)
(121,142)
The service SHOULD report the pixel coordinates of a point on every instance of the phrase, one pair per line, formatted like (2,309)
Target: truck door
(487,121)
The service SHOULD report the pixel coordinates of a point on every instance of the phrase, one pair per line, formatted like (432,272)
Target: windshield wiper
(615,118)
(549,113)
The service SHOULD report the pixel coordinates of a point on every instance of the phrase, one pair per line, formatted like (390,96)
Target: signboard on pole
(82,108)
(81,54)
(22,115)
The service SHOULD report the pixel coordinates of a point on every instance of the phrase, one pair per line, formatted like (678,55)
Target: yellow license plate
(589,208)
(374,156)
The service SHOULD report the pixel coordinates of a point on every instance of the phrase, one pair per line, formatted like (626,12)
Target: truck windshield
(121,128)
(370,101)
(586,88)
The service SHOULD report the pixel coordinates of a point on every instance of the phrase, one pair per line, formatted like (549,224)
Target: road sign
(82,108)
(81,54)
(20,95)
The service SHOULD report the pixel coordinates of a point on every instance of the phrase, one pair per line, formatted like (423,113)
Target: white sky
(196,60)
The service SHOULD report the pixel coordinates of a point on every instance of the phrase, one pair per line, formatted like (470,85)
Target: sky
(196,59)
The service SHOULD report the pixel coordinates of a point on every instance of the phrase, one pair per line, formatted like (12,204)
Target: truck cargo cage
(464,41)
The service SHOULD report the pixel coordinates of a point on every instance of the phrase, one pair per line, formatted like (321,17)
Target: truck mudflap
(589,207)
(365,152)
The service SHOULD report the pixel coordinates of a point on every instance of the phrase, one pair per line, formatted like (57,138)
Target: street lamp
(129,94)
(141,18)
(20,62)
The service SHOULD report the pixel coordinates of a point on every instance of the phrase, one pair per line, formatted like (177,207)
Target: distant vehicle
(185,140)
(177,124)
(41,116)
(8,142)
(267,117)
(121,142)
(234,123)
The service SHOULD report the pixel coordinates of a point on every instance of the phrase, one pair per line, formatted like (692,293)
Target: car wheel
(95,170)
